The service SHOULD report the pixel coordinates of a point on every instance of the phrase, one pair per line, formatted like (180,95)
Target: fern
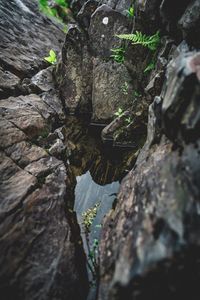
(150,66)
(118,54)
(137,38)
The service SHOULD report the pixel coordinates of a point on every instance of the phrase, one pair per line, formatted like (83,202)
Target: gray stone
(37,253)
(104,25)
(57,149)
(108,96)
(43,80)
(74,74)
(181,94)
(24,153)
(22,24)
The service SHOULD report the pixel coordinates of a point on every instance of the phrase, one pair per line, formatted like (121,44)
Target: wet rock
(43,81)
(8,83)
(83,54)
(57,149)
(22,23)
(36,238)
(108,95)
(150,241)
(74,74)
(24,153)
(105,24)
(180,104)
(51,98)
(190,24)
(85,13)
(41,252)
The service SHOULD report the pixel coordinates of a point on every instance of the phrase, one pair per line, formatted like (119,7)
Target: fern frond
(149,41)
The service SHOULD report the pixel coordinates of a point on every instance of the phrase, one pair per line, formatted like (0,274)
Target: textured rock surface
(88,79)
(151,240)
(22,24)
(41,254)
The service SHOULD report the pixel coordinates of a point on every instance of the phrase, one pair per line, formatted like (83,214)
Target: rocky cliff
(150,243)
(41,255)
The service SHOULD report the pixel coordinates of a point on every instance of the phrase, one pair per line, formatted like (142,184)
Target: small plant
(93,254)
(136,94)
(149,41)
(92,257)
(124,88)
(119,113)
(150,66)
(51,58)
(58,9)
(130,12)
(128,120)
(118,54)
(89,215)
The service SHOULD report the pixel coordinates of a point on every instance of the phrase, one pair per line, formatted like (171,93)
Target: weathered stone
(8,83)
(74,75)
(180,103)
(57,149)
(41,253)
(51,98)
(22,24)
(37,252)
(85,13)
(24,153)
(24,116)
(104,25)
(108,95)
(10,134)
(43,80)
(150,241)
(43,166)
(190,23)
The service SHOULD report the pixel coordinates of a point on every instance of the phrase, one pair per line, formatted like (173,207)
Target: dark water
(98,169)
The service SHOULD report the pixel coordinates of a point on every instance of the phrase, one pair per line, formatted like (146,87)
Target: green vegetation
(130,12)
(119,113)
(93,252)
(128,120)
(124,88)
(118,54)
(51,58)
(149,41)
(89,215)
(150,66)
(58,11)
(136,94)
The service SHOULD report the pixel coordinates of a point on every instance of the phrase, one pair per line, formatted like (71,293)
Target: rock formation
(41,255)
(150,244)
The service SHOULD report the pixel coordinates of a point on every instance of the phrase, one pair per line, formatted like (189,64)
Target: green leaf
(150,67)
(51,58)
(151,42)
(63,3)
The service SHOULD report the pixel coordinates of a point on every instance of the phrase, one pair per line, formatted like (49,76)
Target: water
(87,194)
(98,170)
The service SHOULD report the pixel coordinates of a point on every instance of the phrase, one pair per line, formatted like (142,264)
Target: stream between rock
(98,169)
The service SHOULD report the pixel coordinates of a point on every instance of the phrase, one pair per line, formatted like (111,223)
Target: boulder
(150,241)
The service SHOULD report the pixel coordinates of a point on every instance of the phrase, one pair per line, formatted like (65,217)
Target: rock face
(150,242)
(41,254)
(89,79)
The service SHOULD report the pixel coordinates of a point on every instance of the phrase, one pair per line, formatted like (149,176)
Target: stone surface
(22,24)
(107,94)
(86,51)
(74,74)
(43,80)
(150,241)
(40,246)
(37,253)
